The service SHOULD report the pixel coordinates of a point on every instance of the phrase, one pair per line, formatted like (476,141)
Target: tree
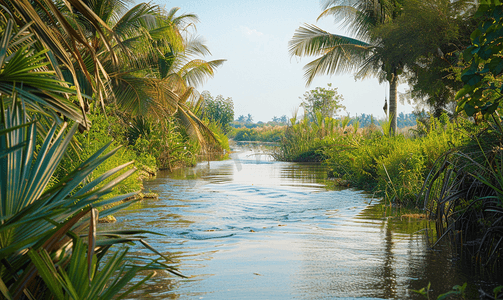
(324,100)
(483,89)
(364,54)
(249,119)
(218,109)
(159,65)
(44,221)
(427,38)
(241,119)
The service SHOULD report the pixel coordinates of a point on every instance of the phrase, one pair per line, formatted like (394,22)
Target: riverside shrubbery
(395,166)
(306,140)
(152,146)
(262,134)
(392,166)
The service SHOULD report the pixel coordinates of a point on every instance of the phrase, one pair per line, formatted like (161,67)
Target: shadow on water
(253,228)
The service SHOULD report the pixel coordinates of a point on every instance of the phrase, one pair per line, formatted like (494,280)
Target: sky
(259,75)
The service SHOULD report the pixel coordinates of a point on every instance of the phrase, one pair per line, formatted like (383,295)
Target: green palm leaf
(21,72)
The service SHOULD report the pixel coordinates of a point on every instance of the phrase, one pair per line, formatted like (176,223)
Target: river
(253,228)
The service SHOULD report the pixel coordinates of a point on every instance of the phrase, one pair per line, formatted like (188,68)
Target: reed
(463,192)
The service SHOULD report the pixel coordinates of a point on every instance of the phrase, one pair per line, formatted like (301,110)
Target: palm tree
(365,54)
(157,74)
(43,224)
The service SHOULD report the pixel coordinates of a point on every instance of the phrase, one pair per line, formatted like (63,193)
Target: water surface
(253,228)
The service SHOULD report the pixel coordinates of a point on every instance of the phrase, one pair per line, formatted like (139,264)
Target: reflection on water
(254,228)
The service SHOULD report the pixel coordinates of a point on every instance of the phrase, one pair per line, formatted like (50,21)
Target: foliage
(43,228)
(263,134)
(306,140)
(218,110)
(140,60)
(456,290)
(393,166)
(217,149)
(244,119)
(403,120)
(427,37)
(107,130)
(483,87)
(283,120)
(463,193)
(21,74)
(50,196)
(324,100)
(53,32)
(365,54)
(161,144)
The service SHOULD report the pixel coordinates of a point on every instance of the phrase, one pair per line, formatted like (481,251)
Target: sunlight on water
(253,228)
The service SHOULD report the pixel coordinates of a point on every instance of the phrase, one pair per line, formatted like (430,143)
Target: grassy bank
(449,170)
(394,167)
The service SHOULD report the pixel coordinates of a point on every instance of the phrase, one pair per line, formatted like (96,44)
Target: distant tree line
(403,120)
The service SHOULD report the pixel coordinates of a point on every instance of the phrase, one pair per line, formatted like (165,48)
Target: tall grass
(306,140)
(393,166)
(464,194)
(370,158)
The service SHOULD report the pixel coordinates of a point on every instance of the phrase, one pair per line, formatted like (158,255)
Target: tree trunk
(393,98)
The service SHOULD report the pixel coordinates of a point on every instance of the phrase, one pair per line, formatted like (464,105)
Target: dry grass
(414,216)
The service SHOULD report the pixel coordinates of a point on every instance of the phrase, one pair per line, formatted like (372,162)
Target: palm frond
(195,127)
(24,72)
(310,40)
(183,20)
(371,66)
(338,53)
(197,71)
(142,15)
(196,46)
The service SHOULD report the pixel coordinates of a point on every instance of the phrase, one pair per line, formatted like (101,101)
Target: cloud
(250,32)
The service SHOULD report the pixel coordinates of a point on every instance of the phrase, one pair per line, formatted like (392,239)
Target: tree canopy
(323,100)
(218,109)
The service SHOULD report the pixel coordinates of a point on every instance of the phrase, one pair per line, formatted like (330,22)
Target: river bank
(254,228)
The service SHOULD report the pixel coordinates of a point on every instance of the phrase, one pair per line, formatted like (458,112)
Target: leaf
(468,54)
(475,35)
(91,242)
(47,271)
(469,109)
(496,65)
(448,294)
(472,79)
(467,89)
(4,290)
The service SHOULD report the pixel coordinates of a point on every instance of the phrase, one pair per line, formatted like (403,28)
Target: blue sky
(259,74)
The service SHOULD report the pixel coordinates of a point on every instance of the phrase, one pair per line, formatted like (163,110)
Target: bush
(394,167)
(263,134)
(105,130)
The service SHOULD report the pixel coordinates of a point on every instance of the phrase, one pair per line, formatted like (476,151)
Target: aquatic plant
(464,194)
(392,166)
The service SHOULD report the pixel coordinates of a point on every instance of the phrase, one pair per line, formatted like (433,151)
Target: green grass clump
(307,140)
(393,166)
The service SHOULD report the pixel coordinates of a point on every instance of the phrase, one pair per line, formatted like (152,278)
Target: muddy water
(253,228)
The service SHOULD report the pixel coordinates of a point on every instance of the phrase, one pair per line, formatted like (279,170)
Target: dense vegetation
(87,76)
(449,165)
(76,80)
